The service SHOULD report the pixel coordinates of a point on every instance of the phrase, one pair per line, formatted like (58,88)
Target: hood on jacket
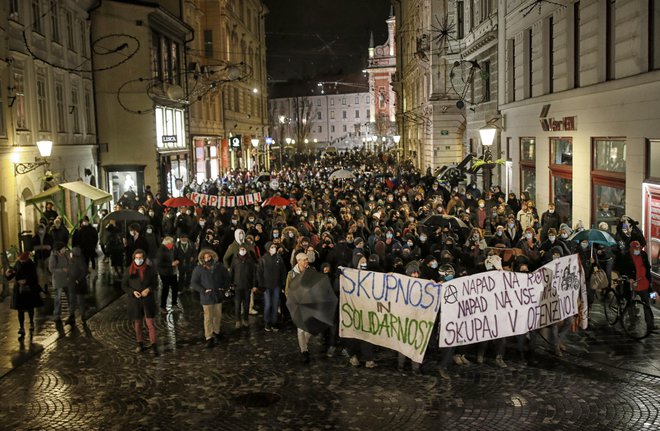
(239,236)
(204,251)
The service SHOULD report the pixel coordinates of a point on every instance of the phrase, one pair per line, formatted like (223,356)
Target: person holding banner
(492,263)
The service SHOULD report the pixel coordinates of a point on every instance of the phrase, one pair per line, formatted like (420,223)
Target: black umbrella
(311,301)
(441,220)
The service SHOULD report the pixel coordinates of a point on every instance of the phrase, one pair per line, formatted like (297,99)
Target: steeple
(371,44)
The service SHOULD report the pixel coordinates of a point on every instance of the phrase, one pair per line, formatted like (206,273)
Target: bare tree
(301,120)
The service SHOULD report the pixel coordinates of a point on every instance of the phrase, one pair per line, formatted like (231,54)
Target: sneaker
(305,357)
(210,343)
(331,351)
(444,374)
(274,328)
(245,323)
(370,364)
(268,328)
(139,348)
(237,325)
(464,360)
(344,353)
(354,361)
(500,362)
(253,312)
(480,358)
(457,360)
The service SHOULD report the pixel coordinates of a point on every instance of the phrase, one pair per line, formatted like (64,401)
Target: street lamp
(487,135)
(45,149)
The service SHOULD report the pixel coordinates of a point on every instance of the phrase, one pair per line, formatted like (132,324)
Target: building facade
(579,100)
(230,43)
(381,67)
(46,95)
(430,120)
(141,97)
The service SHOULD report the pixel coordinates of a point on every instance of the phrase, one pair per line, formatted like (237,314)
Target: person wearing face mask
(242,275)
(551,242)
(59,232)
(210,278)
(140,283)
(530,246)
(513,230)
(166,266)
(232,250)
(549,220)
(135,241)
(636,266)
(565,232)
(627,231)
(184,252)
(429,268)
(499,238)
(271,276)
(153,241)
(184,222)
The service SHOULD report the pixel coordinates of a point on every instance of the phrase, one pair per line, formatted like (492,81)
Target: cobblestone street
(90,378)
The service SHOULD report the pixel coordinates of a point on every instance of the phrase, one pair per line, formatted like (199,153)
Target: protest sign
(390,310)
(497,304)
(217,201)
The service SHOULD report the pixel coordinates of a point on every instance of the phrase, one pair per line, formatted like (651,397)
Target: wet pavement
(90,378)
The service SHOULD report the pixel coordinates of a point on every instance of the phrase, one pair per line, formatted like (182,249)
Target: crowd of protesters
(375,221)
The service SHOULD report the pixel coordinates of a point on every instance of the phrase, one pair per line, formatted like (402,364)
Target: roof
(96,195)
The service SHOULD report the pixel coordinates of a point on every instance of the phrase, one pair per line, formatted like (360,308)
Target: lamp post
(45,149)
(255,145)
(487,135)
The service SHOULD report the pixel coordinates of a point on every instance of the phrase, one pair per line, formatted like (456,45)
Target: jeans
(169,282)
(271,302)
(57,301)
(241,301)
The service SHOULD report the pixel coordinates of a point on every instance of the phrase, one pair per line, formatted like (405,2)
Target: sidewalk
(13,352)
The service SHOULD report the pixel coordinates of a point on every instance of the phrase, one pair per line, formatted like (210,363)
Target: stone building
(46,94)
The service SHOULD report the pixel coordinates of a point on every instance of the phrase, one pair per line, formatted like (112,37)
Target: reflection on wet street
(89,377)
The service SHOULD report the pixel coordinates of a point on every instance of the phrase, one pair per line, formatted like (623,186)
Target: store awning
(96,195)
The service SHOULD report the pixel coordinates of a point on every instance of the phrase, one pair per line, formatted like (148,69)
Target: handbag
(598,280)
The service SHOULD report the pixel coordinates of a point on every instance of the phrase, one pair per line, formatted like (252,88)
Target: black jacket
(271,271)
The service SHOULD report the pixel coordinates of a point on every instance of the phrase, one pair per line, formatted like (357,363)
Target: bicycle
(624,305)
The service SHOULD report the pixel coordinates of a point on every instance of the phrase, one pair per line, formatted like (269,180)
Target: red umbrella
(276,201)
(179,202)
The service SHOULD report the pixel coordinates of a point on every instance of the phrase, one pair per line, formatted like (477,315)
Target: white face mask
(584,245)
(139,262)
(564,235)
(422,238)
(528,235)
(637,252)
(552,238)
(242,252)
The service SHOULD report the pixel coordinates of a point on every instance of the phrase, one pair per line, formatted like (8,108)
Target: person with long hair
(140,282)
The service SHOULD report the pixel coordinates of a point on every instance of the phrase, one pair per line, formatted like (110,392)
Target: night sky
(310,38)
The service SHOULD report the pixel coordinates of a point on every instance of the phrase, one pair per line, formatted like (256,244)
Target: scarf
(133,269)
(640,271)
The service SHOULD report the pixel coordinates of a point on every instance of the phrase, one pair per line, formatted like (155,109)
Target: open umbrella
(594,236)
(276,201)
(442,220)
(311,302)
(126,216)
(181,201)
(342,174)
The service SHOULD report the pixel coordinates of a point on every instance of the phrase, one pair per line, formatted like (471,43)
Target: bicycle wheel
(611,306)
(635,320)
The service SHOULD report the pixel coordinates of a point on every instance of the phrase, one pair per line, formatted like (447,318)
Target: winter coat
(58,265)
(164,259)
(86,237)
(139,243)
(77,275)
(26,296)
(232,250)
(242,272)
(185,255)
(215,278)
(271,271)
(146,305)
(60,235)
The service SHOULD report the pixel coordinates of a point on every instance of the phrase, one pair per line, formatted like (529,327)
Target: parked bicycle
(623,304)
